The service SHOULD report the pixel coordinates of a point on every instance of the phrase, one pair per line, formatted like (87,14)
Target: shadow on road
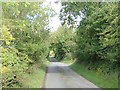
(52,59)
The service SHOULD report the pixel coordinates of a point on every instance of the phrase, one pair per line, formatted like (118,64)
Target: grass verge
(67,61)
(34,79)
(100,80)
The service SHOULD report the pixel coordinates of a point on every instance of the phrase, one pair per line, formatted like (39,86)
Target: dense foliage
(96,34)
(62,42)
(23,39)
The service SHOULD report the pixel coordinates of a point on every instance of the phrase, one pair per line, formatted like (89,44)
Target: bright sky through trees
(54,21)
(91,43)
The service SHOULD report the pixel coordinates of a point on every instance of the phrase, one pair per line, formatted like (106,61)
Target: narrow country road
(59,75)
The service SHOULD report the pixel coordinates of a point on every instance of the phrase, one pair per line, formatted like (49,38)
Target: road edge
(46,71)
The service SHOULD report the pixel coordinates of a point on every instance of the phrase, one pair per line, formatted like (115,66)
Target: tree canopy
(89,34)
(97,33)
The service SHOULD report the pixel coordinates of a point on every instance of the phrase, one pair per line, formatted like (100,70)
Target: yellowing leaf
(4,69)
(6,35)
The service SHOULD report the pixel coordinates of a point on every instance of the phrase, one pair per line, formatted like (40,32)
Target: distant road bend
(59,75)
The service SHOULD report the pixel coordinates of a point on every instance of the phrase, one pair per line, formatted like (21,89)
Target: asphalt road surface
(59,75)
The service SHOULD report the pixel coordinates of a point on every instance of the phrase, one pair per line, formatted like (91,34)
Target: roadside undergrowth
(34,78)
(100,80)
